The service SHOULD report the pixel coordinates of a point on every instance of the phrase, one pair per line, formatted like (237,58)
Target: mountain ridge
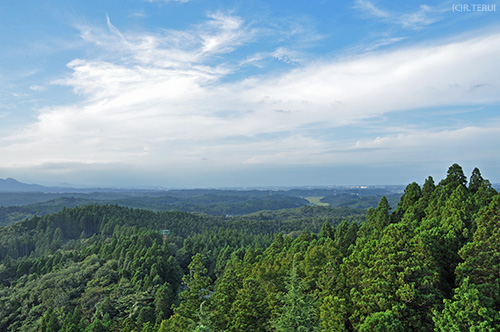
(13,185)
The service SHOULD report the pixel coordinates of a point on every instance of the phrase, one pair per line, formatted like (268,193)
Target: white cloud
(422,17)
(444,145)
(381,43)
(286,55)
(37,88)
(169,100)
(222,33)
(369,8)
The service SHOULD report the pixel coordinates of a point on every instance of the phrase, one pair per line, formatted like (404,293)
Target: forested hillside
(212,202)
(17,206)
(431,263)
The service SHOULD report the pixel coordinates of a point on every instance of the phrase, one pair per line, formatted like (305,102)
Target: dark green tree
(345,236)
(481,265)
(455,177)
(386,321)
(398,280)
(204,320)
(146,315)
(335,312)
(467,311)
(326,231)
(250,311)
(377,219)
(73,322)
(164,298)
(225,294)
(475,181)
(408,200)
(50,322)
(298,312)
(197,284)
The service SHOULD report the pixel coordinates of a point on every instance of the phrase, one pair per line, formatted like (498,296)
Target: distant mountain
(12,185)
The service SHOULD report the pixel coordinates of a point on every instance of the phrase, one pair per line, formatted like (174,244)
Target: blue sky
(247,93)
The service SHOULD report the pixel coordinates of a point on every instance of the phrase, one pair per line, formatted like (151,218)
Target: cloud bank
(175,101)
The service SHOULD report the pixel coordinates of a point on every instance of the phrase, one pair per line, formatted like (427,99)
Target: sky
(194,93)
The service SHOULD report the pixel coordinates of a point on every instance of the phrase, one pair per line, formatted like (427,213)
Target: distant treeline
(19,206)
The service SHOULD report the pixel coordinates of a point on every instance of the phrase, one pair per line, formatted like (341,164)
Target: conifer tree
(335,312)
(164,297)
(298,313)
(204,320)
(475,181)
(345,236)
(398,279)
(481,256)
(198,285)
(386,321)
(250,311)
(225,294)
(146,315)
(467,311)
(73,322)
(50,323)
(483,196)
(376,219)
(454,177)
(326,231)
(410,196)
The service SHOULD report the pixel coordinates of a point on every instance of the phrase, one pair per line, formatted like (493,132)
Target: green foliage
(298,312)
(225,294)
(467,311)
(382,321)
(197,286)
(204,320)
(164,299)
(431,264)
(455,177)
(50,322)
(16,207)
(250,311)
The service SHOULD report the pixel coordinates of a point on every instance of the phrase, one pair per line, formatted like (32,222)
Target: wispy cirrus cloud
(425,15)
(369,8)
(220,33)
(417,19)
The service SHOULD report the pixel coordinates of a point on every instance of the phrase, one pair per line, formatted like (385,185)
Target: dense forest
(17,206)
(430,263)
(212,203)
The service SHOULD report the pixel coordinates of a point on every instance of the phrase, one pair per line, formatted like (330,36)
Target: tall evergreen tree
(50,322)
(298,312)
(481,256)
(204,320)
(164,298)
(455,177)
(250,311)
(410,196)
(225,294)
(345,236)
(475,181)
(399,281)
(467,311)
(198,285)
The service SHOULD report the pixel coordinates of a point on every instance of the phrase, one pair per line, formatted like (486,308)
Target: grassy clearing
(316,200)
